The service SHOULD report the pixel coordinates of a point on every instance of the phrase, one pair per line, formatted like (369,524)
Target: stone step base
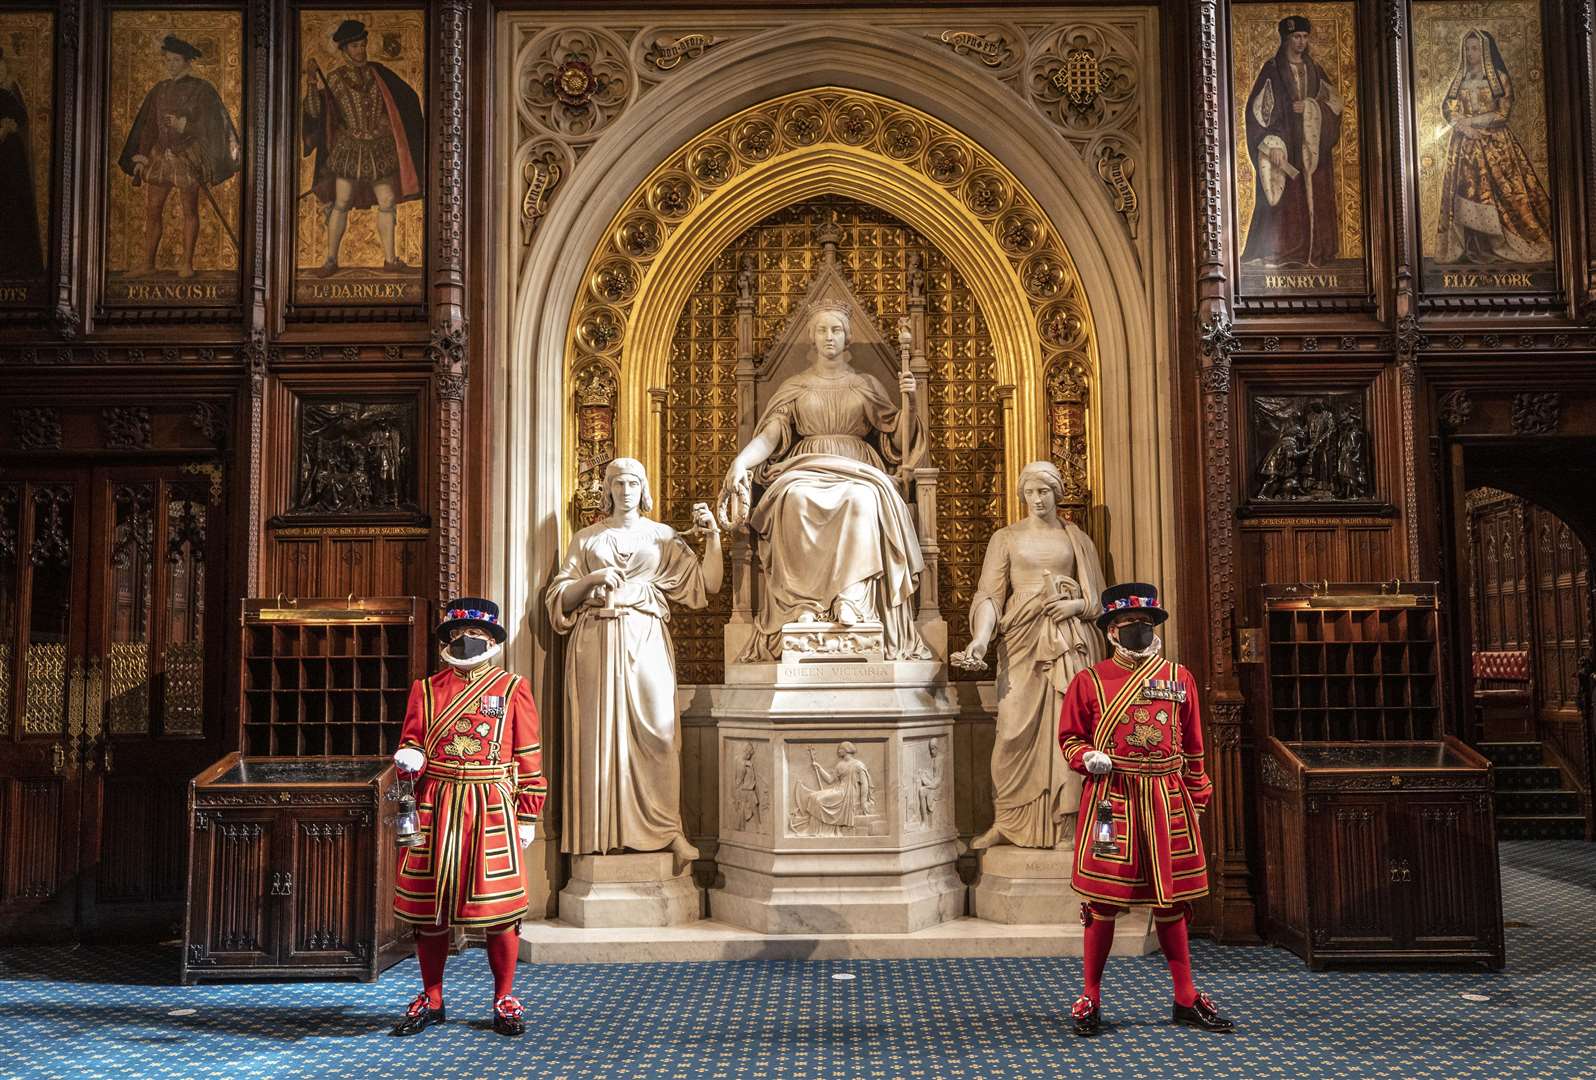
(1545,827)
(555,942)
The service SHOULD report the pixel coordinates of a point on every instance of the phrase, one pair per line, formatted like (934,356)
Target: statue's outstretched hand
(973,658)
(906,383)
(736,497)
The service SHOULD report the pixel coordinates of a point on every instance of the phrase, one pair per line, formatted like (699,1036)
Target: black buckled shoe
(509,1018)
(419,1016)
(1203,1015)
(1087,1015)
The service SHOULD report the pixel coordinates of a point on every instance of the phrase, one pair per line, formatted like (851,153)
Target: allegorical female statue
(836,540)
(1039,587)
(622,778)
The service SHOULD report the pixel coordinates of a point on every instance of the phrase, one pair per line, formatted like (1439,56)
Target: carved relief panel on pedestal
(748,796)
(928,792)
(836,788)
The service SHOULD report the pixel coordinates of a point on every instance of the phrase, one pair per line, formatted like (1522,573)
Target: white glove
(409,759)
(1097,763)
(526,834)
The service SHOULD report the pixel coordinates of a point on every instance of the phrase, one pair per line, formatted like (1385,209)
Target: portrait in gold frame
(174,157)
(360,212)
(1479,98)
(1297,116)
(27,120)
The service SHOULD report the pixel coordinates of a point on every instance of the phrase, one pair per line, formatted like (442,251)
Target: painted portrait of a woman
(1494,208)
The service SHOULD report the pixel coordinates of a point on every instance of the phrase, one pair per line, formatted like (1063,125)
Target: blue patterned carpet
(105,1013)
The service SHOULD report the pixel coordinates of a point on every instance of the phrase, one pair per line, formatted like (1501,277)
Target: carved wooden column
(1408,340)
(255,352)
(1584,18)
(69,68)
(1229,875)
(450,346)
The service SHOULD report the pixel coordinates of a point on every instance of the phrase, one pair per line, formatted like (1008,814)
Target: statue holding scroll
(836,541)
(1039,587)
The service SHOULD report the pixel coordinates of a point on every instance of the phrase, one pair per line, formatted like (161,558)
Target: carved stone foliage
(1309,448)
(596,392)
(572,82)
(36,428)
(127,427)
(355,457)
(1536,414)
(1456,408)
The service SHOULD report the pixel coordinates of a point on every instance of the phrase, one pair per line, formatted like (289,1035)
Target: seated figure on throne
(836,541)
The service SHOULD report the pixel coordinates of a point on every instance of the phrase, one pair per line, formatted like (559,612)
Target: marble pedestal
(836,790)
(1021,885)
(1031,887)
(630,891)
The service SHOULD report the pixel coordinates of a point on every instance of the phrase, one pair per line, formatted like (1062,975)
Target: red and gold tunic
(484,774)
(1146,719)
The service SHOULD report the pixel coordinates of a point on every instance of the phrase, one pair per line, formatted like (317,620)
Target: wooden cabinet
(291,869)
(1380,851)
(1352,660)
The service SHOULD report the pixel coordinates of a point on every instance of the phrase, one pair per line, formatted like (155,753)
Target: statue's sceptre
(905,348)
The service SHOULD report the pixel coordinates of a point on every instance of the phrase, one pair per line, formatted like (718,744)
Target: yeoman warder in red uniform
(471,732)
(1131,723)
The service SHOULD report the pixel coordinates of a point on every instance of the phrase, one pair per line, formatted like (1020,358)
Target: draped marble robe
(831,522)
(621,783)
(1035,794)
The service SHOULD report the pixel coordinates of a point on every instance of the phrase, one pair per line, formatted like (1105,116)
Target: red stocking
(1172,938)
(1099,938)
(504,947)
(432,949)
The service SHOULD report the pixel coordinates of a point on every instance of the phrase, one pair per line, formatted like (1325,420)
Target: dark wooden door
(1449,885)
(327,897)
(44,592)
(237,861)
(113,620)
(1354,837)
(154,632)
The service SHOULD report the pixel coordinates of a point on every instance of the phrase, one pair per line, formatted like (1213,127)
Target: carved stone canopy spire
(828,233)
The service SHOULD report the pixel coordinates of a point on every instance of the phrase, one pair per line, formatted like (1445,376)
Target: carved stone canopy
(792,349)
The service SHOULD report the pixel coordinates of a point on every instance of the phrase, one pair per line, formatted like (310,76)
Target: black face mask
(1136,636)
(464,648)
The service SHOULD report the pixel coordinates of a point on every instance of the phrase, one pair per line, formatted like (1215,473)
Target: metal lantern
(1103,838)
(407,823)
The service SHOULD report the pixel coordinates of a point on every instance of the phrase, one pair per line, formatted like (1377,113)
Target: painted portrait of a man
(182,140)
(363,129)
(1293,123)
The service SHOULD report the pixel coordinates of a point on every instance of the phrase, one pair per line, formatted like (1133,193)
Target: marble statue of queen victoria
(836,541)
